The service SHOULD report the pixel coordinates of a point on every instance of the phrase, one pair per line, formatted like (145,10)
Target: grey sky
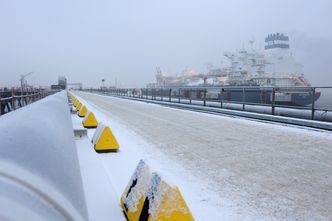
(126,39)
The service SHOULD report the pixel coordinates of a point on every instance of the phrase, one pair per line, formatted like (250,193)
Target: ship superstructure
(273,66)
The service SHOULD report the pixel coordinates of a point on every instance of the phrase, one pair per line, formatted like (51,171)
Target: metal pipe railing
(13,102)
(264,96)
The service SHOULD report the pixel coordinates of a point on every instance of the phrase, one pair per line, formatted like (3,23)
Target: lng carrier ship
(257,70)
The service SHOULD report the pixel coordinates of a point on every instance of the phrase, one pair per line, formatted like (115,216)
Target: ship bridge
(276,41)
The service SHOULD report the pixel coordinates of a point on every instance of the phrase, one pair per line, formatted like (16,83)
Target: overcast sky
(127,39)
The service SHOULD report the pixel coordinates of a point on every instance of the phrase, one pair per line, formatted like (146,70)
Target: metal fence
(315,102)
(9,102)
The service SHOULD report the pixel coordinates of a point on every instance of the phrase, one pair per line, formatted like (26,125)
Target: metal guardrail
(40,176)
(13,102)
(268,97)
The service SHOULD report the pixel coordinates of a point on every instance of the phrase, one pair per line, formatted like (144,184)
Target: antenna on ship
(251,42)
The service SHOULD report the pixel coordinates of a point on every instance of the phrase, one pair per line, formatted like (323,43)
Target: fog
(126,40)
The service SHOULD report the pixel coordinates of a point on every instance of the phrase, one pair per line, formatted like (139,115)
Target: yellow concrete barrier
(82,111)
(148,197)
(133,198)
(74,100)
(78,106)
(90,120)
(165,203)
(104,140)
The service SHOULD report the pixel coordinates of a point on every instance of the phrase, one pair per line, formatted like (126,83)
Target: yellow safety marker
(82,111)
(90,120)
(78,106)
(132,200)
(164,202)
(104,140)
(74,102)
(148,197)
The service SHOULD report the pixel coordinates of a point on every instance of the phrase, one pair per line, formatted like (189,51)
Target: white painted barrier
(40,178)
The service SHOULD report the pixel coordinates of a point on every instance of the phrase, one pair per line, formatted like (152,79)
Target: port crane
(23,81)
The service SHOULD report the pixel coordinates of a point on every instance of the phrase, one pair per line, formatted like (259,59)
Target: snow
(226,168)
(120,166)
(142,176)
(37,153)
(97,133)
(164,198)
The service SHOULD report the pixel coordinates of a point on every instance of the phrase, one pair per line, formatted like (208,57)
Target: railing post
(190,95)
(13,103)
(162,95)
(170,95)
(0,104)
(221,96)
(273,100)
(204,101)
(313,103)
(179,95)
(243,98)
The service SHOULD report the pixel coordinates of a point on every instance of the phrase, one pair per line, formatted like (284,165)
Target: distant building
(62,84)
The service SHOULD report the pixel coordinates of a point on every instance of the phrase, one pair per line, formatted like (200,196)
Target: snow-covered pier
(227,167)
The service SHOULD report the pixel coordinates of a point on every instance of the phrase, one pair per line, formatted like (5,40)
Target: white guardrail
(40,177)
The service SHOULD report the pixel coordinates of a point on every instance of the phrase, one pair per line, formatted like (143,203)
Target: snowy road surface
(257,169)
